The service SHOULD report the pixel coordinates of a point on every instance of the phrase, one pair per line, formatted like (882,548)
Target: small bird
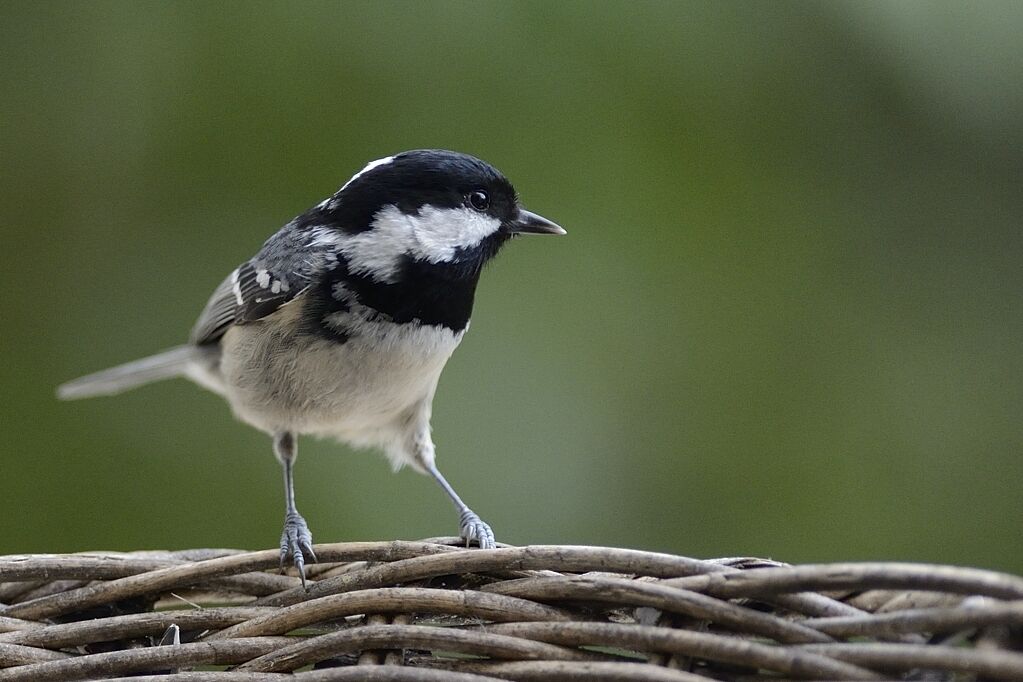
(342,322)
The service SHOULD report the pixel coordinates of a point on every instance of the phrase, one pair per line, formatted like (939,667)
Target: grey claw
(472,527)
(297,544)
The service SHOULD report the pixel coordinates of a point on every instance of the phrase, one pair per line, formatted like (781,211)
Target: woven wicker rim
(431,610)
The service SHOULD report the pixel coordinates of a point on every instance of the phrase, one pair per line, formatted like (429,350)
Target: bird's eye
(479,199)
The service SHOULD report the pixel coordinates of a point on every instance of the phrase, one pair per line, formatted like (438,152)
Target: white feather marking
(236,288)
(330,201)
(263,278)
(433,235)
(442,231)
(323,236)
(369,166)
(376,252)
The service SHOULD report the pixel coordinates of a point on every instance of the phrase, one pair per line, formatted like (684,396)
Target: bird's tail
(169,363)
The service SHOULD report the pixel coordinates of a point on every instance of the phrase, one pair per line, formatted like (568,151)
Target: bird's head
(429,208)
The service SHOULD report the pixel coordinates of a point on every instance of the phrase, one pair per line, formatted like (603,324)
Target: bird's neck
(422,293)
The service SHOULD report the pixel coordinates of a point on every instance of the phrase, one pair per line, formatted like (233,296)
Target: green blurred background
(786,321)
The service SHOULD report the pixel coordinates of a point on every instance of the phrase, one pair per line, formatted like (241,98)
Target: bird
(342,322)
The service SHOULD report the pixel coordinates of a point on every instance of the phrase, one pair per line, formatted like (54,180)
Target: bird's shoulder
(286,266)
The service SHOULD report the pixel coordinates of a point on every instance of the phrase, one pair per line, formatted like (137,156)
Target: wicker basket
(433,611)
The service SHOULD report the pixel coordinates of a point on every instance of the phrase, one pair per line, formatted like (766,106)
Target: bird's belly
(281,381)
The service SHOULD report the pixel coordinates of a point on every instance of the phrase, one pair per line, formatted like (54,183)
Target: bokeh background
(786,322)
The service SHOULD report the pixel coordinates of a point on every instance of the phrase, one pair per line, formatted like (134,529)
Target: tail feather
(170,363)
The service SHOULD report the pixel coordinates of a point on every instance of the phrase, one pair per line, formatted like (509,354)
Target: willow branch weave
(430,610)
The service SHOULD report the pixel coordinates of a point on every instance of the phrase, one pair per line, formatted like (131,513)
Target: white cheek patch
(440,232)
(433,235)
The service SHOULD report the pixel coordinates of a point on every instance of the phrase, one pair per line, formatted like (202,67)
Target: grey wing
(283,269)
(249,293)
(218,314)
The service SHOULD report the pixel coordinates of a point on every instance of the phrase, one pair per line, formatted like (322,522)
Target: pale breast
(280,379)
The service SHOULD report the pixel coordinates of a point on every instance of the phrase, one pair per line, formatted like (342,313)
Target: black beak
(527,222)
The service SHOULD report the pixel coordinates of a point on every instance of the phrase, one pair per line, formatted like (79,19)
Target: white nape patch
(236,287)
(263,278)
(330,201)
(433,235)
(323,236)
(369,166)
(377,251)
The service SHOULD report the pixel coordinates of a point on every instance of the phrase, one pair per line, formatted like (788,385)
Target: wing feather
(285,267)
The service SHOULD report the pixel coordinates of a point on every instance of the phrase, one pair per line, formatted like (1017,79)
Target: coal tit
(341,324)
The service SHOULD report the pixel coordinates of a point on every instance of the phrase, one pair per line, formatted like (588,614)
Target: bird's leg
(471,526)
(420,447)
(296,540)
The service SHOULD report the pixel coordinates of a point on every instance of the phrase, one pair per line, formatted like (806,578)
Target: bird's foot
(296,544)
(472,527)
